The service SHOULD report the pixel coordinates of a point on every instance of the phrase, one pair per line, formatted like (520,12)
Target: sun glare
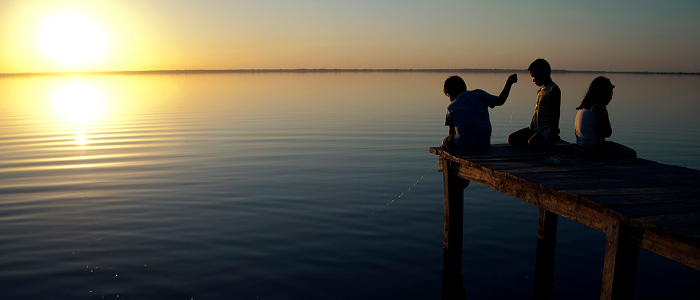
(79,102)
(72,39)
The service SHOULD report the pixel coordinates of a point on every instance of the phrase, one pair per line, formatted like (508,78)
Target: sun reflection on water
(81,104)
(81,139)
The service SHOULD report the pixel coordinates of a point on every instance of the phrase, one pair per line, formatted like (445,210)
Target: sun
(72,39)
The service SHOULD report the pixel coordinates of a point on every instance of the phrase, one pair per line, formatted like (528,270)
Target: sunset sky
(67,35)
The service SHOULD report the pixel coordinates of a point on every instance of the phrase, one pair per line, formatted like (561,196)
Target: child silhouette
(592,123)
(544,128)
(467,114)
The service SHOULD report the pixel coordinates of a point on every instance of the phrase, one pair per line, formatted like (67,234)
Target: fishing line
(511,113)
(408,189)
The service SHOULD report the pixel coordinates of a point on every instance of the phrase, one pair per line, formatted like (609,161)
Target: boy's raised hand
(506,90)
(512,79)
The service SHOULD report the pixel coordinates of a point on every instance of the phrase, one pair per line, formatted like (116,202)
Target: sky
(137,35)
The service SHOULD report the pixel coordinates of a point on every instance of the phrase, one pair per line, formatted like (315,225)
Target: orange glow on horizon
(83,36)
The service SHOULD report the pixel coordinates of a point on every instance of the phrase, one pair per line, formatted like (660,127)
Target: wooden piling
(454,206)
(454,231)
(546,244)
(622,245)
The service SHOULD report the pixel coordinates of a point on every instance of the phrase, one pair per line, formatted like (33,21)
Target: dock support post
(622,245)
(454,206)
(452,278)
(544,261)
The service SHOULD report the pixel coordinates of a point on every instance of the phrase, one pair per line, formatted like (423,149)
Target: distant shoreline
(331,71)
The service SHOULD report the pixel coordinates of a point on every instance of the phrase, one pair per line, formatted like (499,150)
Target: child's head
(600,92)
(540,72)
(454,85)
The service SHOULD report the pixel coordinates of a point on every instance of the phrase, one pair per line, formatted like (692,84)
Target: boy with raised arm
(467,114)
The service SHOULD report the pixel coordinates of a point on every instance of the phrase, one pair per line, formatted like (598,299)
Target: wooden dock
(637,203)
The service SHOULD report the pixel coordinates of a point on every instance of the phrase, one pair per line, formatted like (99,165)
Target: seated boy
(544,128)
(468,115)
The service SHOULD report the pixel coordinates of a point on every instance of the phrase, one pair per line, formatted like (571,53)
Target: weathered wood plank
(675,219)
(538,166)
(495,152)
(683,227)
(656,209)
(616,178)
(668,245)
(670,195)
(609,192)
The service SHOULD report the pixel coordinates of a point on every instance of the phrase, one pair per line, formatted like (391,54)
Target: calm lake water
(275,186)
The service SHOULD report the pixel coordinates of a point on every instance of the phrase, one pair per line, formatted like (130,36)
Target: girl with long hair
(592,125)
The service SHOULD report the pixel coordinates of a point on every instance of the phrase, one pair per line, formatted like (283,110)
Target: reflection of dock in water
(637,203)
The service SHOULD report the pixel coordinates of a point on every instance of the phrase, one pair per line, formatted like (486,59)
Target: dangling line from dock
(511,113)
(408,189)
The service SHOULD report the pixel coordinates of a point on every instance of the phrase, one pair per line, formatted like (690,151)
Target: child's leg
(542,139)
(520,138)
(537,141)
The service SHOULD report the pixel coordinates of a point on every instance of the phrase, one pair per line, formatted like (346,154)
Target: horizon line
(324,70)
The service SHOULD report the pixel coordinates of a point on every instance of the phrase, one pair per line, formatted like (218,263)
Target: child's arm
(603,127)
(555,98)
(506,90)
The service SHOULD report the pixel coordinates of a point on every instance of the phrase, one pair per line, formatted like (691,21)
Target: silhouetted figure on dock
(592,123)
(544,128)
(467,114)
